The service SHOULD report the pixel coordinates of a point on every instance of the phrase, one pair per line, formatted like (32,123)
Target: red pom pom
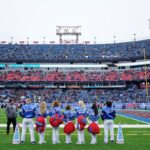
(69,128)
(56,120)
(53,122)
(40,124)
(81,122)
(60,119)
(94,128)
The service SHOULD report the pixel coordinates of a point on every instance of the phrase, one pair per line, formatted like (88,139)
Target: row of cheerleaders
(57,117)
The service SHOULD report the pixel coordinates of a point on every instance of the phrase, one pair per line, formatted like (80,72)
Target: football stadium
(68,90)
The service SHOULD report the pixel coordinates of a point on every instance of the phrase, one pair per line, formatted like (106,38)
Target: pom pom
(81,122)
(40,124)
(93,128)
(69,128)
(56,120)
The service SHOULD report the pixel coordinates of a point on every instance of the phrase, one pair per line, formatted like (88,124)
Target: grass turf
(135,139)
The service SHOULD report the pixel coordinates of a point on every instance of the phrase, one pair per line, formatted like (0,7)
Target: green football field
(135,138)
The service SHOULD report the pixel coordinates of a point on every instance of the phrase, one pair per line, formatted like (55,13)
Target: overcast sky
(99,18)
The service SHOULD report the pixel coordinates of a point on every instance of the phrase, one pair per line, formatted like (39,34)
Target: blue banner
(2,65)
(24,65)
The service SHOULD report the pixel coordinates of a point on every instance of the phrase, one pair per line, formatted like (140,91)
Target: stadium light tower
(68,31)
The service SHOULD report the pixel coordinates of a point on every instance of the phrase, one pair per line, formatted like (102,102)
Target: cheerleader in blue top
(69,116)
(43,113)
(55,113)
(81,121)
(93,117)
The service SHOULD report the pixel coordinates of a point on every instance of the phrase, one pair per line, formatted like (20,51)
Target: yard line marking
(139,131)
(132,118)
(75,134)
(101,126)
(131,134)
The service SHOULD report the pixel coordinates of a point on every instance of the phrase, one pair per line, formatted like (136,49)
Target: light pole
(114,37)
(145,68)
(134,37)
(145,59)
(149,23)
(86,52)
(11,39)
(44,39)
(95,40)
(28,40)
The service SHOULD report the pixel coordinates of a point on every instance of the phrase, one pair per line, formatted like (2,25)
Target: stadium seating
(73,52)
(128,75)
(131,94)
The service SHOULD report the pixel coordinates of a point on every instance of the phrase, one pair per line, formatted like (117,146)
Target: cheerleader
(93,127)
(43,113)
(81,121)
(69,116)
(28,112)
(108,115)
(55,121)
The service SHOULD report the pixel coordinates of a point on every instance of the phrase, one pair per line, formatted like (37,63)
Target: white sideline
(101,126)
